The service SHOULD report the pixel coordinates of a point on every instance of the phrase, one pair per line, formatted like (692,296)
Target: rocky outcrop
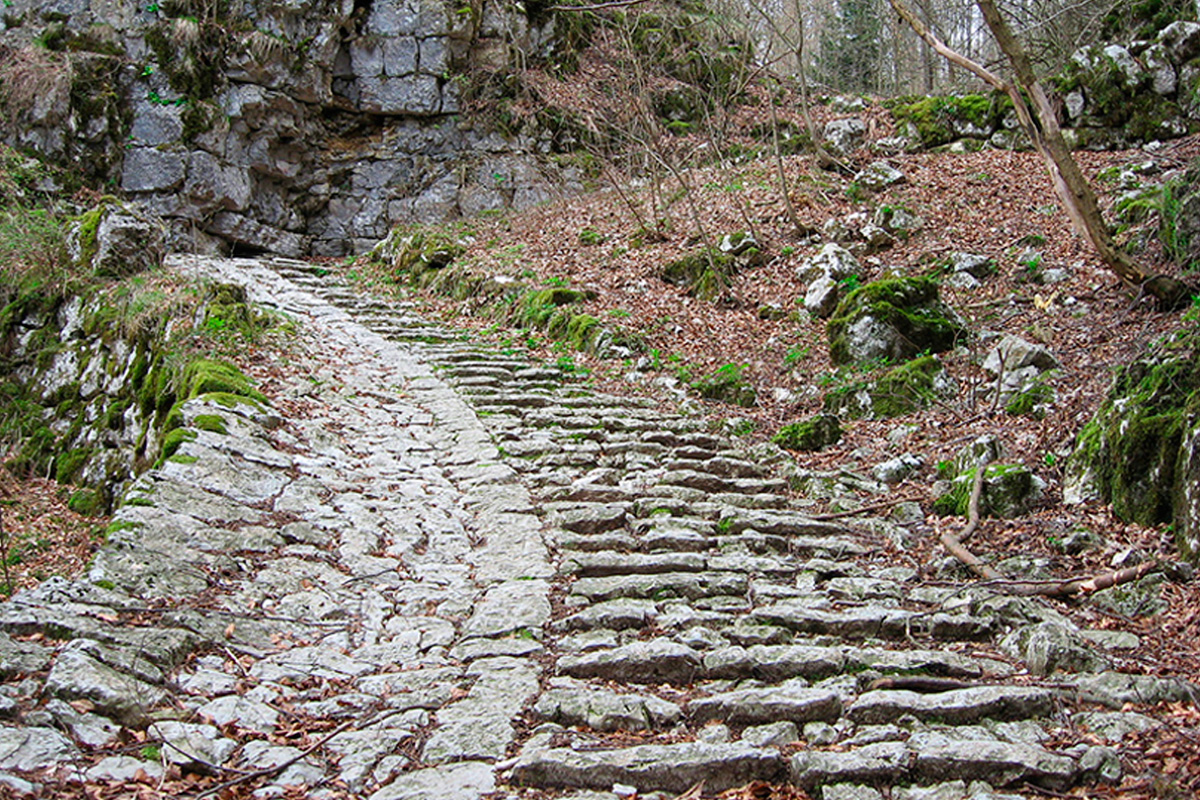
(1141,451)
(297,128)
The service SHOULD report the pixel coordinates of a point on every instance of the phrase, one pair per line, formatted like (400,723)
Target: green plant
(850,283)
(855,192)
(1050,460)
(787,251)
(590,236)
(796,355)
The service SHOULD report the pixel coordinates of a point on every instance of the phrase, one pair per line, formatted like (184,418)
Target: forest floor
(993,203)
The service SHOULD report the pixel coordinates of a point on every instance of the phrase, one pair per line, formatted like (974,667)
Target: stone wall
(291,126)
(86,396)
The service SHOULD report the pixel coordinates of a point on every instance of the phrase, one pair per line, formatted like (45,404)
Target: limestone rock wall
(292,126)
(87,396)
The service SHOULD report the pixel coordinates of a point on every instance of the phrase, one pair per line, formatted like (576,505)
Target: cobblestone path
(431,570)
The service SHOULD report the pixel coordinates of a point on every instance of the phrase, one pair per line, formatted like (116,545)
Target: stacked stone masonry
(466,573)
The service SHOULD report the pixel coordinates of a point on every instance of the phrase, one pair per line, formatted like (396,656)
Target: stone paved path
(461,574)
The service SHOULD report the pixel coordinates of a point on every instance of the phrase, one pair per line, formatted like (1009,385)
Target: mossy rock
(1141,451)
(910,387)
(705,274)
(413,254)
(896,319)
(209,376)
(940,120)
(816,433)
(728,385)
(1009,490)
(88,502)
(536,308)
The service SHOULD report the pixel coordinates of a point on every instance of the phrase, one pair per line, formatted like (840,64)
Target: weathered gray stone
(1051,646)
(956,707)
(1014,353)
(18,657)
(606,711)
(775,734)
(1114,726)
(467,781)
(998,763)
(612,614)
(77,675)
(27,749)
(656,661)
(791,701)
(844,135)
(151,170)
(516,605)
(192,746)
(885,763)
(879,175)
(670,768)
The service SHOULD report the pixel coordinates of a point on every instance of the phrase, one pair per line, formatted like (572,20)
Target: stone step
(649,768)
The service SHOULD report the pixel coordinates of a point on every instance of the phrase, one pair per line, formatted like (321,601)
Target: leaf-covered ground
(991,202)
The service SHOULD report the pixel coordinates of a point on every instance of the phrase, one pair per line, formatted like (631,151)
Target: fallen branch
(955,543)
(855,511)
(1082,586)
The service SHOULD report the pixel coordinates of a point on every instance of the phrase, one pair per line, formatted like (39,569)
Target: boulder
(1140,451)
(892,319)
(813,434)
(901,390)
(115,240)
(879,175)
(843,136)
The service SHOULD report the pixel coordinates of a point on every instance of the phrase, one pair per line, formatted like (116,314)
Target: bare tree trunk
(1040,123)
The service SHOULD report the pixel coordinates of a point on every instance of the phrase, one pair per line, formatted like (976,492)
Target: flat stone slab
(788,702)
(511,606)
(656,661)
(691,585)
(930,759)
(606,711)
(957,707)
(27,749)
(774,662)
(469,780)
(668,768)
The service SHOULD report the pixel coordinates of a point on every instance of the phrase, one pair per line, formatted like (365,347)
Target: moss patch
(938,119)
(727,384)
(1132,446)
(213,423)
(906,317)
(705,274)
(813,434)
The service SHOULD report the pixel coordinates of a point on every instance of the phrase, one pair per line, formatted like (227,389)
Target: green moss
(728,385)
(179,458)
(88,502)
(209,376)
(213,423)
(934,117)
(705,274)
(907,388)
(813,434)
(68,465)
(175,439)
(1029,401)
(582,331)
(910,306)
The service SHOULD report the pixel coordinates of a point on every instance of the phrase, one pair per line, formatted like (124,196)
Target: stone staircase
(439,570)
(706,629)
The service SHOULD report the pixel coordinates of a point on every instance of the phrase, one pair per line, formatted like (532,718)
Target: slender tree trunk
(1040,123)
